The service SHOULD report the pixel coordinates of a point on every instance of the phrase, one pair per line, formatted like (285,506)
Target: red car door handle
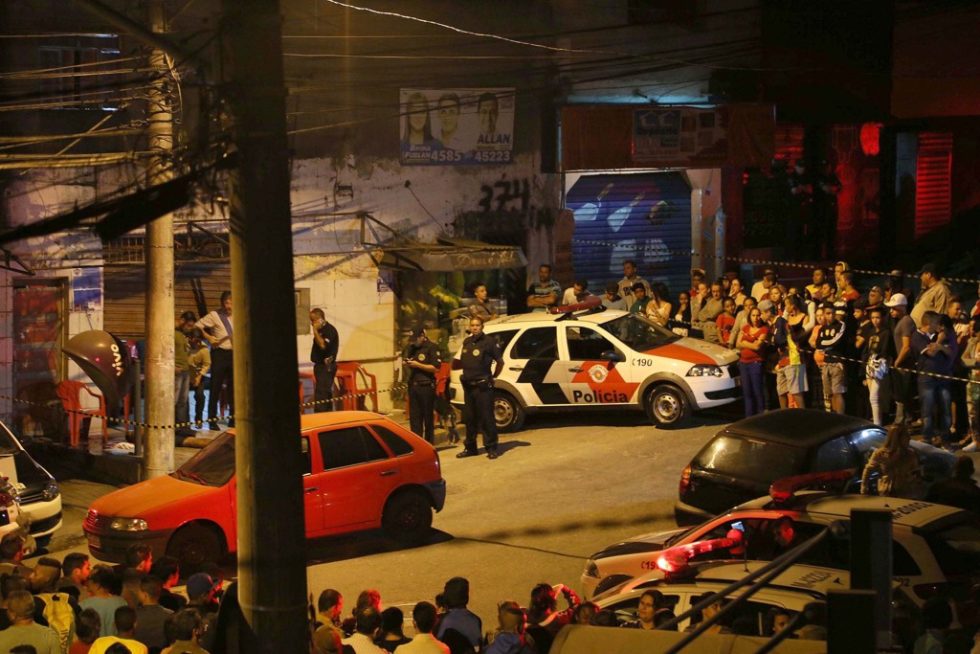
(575,369)
(516,368)
(388,473)
(311,489)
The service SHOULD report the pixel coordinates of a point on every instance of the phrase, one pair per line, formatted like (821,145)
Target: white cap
(897,300)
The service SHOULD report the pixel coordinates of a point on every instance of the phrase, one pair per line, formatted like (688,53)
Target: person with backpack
(57,608)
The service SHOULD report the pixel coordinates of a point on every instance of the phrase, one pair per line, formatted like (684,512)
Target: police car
(790,591)
(598,358)
(933,546)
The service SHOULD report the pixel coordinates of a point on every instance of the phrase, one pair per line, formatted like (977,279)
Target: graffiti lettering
(506,195)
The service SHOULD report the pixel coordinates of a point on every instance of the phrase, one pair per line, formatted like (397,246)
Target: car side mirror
(612,355)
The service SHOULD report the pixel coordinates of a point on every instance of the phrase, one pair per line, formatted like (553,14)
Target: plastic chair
(303,376)
(69,392)
(353,378)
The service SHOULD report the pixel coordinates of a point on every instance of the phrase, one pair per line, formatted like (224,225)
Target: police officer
(422,359)
(323,354)
(479,351)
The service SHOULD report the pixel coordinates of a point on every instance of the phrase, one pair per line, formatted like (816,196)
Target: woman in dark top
(877,353)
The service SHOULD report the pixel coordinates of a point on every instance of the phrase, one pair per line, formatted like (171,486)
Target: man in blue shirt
(935,351)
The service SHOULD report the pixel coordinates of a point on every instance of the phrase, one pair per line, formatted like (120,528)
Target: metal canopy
(445,255)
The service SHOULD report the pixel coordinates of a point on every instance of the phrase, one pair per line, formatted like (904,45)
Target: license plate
(94,541)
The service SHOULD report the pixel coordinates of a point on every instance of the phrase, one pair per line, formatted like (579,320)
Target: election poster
(678,135)
(451,127)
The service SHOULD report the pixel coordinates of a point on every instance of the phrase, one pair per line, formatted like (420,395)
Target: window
(504,338)
(395,443)
(639,332)
(75,65)
(536,343)
(833,455)
(304,444)
(586,344)
(349,446)
(626,609)
(212,466)
(746,458)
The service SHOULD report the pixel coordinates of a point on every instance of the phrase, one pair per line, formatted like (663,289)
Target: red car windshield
(212,466)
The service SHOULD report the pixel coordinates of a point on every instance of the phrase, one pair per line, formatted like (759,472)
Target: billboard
(449,127)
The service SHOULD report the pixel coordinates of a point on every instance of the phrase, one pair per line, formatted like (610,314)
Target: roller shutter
(644,217)
(125,293)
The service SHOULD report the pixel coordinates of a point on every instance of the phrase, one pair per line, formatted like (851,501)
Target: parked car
(36,492)
(933,546)
(603,359)
(363,471)
(744,458)
(792,590)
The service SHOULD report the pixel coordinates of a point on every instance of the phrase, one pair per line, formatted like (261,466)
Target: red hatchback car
(363,471)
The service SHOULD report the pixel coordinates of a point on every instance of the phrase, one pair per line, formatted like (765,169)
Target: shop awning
(448,255)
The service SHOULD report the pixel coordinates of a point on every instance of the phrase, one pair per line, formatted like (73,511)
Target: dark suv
(744,458)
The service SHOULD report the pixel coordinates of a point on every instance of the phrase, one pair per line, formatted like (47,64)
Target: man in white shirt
(424,618)
(362,640)
(218,329)
(575,293)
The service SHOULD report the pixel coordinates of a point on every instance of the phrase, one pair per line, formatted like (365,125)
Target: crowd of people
(824,344)
(73,607)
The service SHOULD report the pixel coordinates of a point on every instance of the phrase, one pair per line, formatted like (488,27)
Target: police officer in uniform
(479,352)
(323,354)
(422,359)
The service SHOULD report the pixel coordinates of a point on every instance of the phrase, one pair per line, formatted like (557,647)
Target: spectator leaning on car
(896,464)
(545,292)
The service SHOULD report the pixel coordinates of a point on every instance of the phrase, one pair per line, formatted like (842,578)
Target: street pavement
(563,488)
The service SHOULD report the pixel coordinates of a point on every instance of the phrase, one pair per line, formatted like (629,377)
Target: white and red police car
(598,358)
(933,546)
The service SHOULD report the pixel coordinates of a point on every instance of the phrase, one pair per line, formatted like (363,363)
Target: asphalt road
(563,488)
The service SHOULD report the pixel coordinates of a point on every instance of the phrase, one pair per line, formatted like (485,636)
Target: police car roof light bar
(782,490)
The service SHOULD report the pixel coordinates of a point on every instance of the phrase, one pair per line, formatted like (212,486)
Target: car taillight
(457,364)
(685,484)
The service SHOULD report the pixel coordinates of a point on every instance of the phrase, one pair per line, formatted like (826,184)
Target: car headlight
(51,491)
(128,524)
(705,370)
(591,569)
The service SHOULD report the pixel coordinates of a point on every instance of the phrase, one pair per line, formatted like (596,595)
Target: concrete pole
(159,253)
(871,564)
(271,539)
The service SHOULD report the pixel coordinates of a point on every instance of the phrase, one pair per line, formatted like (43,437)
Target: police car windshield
(639,333)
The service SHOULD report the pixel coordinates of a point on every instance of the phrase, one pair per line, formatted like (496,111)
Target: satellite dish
(105,359)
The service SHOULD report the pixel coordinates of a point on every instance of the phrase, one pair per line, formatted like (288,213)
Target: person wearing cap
(935,294)
(876,298)
(479,352)
(323,354)
(611,298)
(896,284)
(760,289)
(902,329)
(829,342)
(629,280)
(934,347)
(422,359)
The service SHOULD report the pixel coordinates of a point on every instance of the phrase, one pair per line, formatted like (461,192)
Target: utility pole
(158,457)
(268,460)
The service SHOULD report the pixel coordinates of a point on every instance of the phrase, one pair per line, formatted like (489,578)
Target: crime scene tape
(121,421)
(808,265)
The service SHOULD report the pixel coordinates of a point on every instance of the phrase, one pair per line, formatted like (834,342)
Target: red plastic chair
(353,378)
(70,392)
